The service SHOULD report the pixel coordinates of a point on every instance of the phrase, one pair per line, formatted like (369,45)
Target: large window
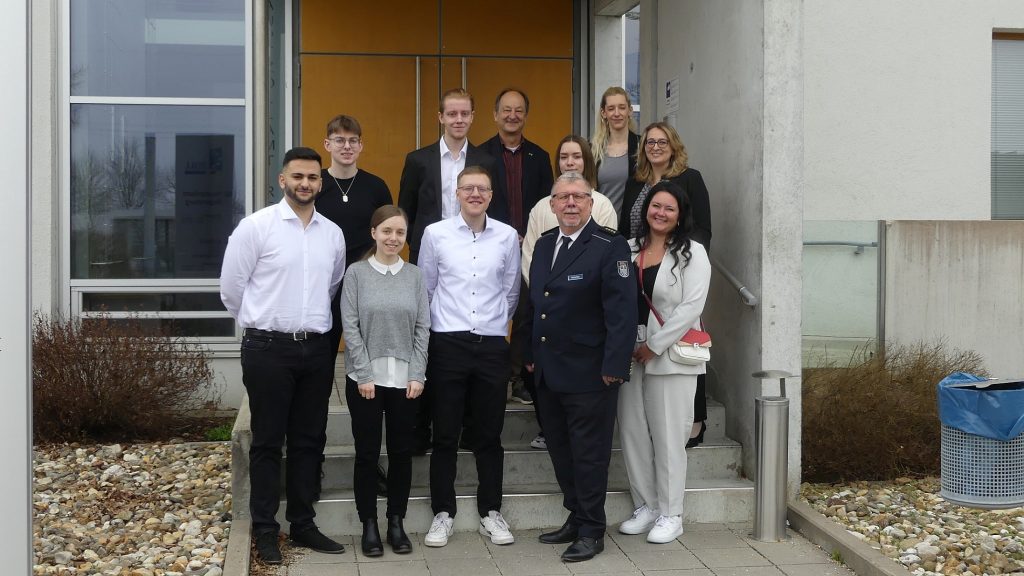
(157,159)
(1008,126)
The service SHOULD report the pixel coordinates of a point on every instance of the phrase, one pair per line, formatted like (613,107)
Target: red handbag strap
(640,281)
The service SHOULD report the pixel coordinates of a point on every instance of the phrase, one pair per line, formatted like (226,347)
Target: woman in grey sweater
(386,323)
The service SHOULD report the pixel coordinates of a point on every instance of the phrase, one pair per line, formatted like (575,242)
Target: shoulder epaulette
(551,231)
(609,230)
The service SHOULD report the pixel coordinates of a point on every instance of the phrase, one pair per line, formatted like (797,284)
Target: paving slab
(703,550)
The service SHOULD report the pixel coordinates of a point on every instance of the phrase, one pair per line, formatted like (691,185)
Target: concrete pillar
(15,484)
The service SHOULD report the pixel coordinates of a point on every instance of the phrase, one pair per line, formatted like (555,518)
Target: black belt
(467,336)
(283,335)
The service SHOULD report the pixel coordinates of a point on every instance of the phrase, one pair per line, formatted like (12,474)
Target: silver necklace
(344,193)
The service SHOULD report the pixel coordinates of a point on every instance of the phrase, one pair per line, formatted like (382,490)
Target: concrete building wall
(897,97)
(739,69)
(962,282)
(45,161)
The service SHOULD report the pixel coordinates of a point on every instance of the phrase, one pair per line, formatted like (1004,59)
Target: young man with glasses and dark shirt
(470,266)
(348,198)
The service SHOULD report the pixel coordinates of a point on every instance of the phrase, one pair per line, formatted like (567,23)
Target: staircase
(715,491)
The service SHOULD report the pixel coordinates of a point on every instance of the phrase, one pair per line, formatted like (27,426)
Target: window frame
(72,290)
(998,36)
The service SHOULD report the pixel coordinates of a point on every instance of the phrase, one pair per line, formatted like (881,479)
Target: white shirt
(472,279)
(388,371)
(572,240)
(452,163)
(279,275)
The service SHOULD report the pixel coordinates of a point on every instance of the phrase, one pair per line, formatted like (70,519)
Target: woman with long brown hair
(386,322)
(664,158)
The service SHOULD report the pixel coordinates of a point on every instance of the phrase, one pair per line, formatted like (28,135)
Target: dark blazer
(419,191)
(693,184)
(537,176)
(585,312)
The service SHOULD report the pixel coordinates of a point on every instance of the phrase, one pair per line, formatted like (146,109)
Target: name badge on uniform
(623,267)
(573,277)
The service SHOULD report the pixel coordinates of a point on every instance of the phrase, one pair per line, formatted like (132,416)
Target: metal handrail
(745,294)
(860,246)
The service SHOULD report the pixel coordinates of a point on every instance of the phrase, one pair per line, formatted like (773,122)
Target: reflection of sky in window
(1008,96)
(168,48)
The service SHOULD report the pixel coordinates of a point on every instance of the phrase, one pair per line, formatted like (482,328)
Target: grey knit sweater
(384,315)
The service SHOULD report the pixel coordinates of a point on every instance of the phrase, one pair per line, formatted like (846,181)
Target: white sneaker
(440,530)
(666,529)
(642,521)
(539,443)
(495,527)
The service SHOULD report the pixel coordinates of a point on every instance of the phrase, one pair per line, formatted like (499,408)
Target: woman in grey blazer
(656,405)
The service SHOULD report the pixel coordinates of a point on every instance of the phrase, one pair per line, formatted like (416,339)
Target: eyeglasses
(652,143)
(469,189)
(564,196)
(339,141)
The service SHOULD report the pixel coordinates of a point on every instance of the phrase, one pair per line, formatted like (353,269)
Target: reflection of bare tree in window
(165,185)
(86,185)
(126,174)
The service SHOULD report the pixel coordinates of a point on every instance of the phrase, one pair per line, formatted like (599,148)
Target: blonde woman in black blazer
(656,405)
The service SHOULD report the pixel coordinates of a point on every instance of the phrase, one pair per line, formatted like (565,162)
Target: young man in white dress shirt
(282,266)
(470,266)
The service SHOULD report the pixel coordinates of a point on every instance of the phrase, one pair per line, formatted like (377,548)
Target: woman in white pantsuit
(656,405)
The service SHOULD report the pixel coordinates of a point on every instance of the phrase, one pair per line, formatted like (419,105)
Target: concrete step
(538,506)
(520,424)
(525,466)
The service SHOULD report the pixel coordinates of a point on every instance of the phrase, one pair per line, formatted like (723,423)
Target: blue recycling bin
(982,441)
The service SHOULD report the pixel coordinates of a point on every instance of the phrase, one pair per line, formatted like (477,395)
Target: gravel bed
(138,510)
(907,521)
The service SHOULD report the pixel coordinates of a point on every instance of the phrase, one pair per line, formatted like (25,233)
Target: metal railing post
(771,437)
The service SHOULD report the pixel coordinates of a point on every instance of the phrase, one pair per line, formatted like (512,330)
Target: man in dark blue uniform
(584,328)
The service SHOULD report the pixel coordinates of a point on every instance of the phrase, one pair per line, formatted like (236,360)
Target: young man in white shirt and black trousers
(282,266)
(470,266)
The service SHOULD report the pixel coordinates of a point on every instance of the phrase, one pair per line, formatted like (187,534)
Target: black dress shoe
(267,549)
(371,539)
(699,438)
(564,535)
(584,548)
(313,539)
(397,537)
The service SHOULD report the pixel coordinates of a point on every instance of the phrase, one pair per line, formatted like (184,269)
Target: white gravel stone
(137,510)
(910,523)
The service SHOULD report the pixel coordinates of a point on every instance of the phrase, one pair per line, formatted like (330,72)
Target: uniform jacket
(584,318)
(419,191)
(679,296)
(537,176)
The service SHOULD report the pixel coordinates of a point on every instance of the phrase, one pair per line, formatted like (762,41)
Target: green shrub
(877,418)
(113,379)
(220,433)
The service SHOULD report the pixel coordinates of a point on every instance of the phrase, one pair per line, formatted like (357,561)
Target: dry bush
(107,379)
(877,418)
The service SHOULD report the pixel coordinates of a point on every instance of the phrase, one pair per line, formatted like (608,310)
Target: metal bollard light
(771,436)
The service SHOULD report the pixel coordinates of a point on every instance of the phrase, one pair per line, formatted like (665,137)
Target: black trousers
(578,429)
(700,399)
(367,419)
(467,375)
(519,341)
(289,386)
